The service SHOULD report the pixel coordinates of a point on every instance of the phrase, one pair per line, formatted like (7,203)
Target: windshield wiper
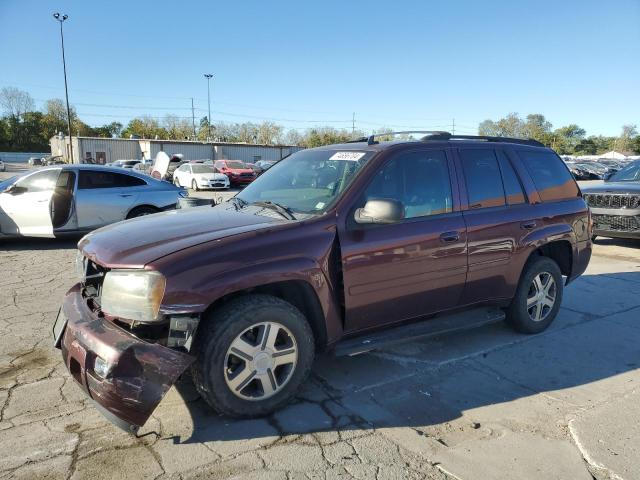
(283,210)
(238,202)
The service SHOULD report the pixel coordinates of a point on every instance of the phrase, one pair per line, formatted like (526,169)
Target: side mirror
(15,190)
(380,211)
(608,175)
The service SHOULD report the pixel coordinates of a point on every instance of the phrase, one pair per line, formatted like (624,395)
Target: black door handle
(528,225)
(450,237)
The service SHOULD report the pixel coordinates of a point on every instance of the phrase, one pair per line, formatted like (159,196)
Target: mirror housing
(14,190)
(381,211)
(607,176)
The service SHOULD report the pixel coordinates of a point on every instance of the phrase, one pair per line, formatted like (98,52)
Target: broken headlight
(80,266)
(133,294)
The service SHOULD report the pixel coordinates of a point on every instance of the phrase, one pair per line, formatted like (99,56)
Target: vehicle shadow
(575,363)
(619,242)
(33,243)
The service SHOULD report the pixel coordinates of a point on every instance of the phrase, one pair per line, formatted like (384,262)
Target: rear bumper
(581,258)
(140,373)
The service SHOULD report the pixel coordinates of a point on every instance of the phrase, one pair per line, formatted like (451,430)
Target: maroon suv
(345,246)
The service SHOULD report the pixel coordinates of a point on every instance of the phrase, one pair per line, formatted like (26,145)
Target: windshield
(309,181)
(236,164)
(199,168)
(630,173)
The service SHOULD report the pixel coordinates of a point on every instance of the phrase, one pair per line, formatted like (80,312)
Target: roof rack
(447,136)
(371,139)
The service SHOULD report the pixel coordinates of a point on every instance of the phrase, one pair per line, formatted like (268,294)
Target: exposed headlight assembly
(80,266)
(133,294)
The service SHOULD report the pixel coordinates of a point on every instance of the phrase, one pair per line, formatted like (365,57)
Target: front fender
(261,274)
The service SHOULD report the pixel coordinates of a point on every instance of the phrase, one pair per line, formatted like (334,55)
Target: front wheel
(194,185)
(538,296)
(252,355)
(176,182)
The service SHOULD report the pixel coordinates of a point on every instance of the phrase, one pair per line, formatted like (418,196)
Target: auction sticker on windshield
(350,156)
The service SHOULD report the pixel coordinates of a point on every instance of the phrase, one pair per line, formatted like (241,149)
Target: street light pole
(208,76)
(61,19)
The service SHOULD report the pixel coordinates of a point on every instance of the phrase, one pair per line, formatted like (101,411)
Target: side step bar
(431,327)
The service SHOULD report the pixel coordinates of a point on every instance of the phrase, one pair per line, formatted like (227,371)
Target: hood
(210,176)
(613,187)
(240,170)
(137,242)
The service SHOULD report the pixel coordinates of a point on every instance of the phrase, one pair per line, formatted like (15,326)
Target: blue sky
(399,64)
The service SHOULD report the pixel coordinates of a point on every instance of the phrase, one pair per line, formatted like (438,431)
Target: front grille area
(94,276)
(616,223)
(607,200)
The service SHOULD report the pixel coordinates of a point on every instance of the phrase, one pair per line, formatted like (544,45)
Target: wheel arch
(557,242)
(143,205)
(298,293)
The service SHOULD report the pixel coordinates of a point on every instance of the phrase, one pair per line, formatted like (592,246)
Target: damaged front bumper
(125,376)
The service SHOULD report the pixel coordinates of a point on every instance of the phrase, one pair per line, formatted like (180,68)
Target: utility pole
(193,119)
(208,76)
(353,125)
(453,127)
(61,19)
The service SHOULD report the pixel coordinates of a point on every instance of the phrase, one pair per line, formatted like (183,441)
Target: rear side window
(483,179)
(512,186)
(94,179)
(551,178)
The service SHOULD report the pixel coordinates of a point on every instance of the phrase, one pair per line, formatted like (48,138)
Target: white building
(107,150)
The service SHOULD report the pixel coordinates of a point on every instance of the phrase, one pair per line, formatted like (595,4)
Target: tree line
(24,128)
(568,140)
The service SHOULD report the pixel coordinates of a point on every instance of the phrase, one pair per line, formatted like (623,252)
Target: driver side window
(38,182)
(419,180)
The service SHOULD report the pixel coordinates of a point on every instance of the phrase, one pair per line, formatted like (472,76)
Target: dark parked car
(393,240)
(580,173)
(615,204)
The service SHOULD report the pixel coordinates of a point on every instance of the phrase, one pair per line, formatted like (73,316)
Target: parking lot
(487,403)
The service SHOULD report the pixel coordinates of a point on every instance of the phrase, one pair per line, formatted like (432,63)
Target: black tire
(518,315)
(593,238)
(194,185)
(176,182)
(142,211)
(222,327)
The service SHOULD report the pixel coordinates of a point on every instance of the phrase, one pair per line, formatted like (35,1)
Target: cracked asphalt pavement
(483,404)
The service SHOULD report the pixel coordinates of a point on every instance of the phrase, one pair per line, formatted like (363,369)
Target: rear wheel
(538,296)
(252,355)
(142,211)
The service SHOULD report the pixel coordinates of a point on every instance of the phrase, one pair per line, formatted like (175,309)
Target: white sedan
(198,176)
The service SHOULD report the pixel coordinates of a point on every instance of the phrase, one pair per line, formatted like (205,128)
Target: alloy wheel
(260,361)
(541,296)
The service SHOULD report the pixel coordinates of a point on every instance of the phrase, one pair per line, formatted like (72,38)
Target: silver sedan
(54,201)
